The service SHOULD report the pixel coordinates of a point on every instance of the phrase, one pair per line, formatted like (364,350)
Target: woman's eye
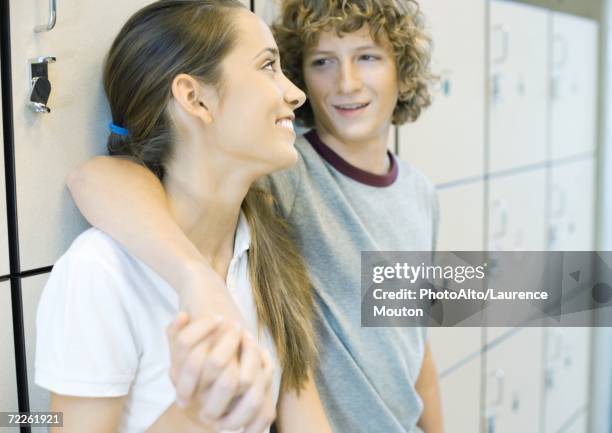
(270,65)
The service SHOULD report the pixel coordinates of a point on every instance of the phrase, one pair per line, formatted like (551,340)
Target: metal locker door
(578,424)
(4,250)
(518,85)
(517,211)
(461,217)
(267,10)
(31,289)
(447,141)
(460,394)
(453,346)
(8,378)
(572,228)
(572,206)
(567,375)
(514,383)
(49,145)
(574,85)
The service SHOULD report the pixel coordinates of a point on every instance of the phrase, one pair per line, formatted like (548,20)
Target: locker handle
(505,43)
(499,208)
(562,42)
(52,18)
(499,375)
(559,205)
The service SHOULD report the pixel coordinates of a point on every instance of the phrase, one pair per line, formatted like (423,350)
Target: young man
(364,66)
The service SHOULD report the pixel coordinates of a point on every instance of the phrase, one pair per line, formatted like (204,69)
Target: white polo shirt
(101,326)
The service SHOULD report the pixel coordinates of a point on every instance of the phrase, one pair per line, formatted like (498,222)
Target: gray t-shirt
(366,376)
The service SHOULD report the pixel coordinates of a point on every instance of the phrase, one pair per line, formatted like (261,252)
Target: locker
(447,141)
(461,217)
(8,379)
(566,375)
(517,219)
(518,85)
(49,145)
(4,251)
(517,211)
(31,289)
(574,49)
(578,424)
(572,206)
(268,10)
(460,391)
(513,382)
(452,346)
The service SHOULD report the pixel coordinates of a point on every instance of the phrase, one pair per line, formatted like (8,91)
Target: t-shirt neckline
(349,170)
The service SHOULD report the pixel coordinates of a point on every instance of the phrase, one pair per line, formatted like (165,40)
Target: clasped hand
(223,379)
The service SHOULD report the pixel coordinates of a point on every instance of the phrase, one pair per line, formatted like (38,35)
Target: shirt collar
(242,238)
(349,170)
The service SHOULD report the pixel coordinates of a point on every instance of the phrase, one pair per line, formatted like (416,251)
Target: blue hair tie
(118,129)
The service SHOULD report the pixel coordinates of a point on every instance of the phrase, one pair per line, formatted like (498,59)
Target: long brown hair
(157,43)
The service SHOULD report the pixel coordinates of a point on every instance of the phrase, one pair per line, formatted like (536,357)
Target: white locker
(572,206)
(517,219)
(513,379)
(48,146)
(4,250)
(574,49)
(578,424)
(566,375)
(461,217)
(460,394)
(8,378)
(447,141)
(518,85)
(461,228)
(268,10)
(451,346)
(31,289)
(517,211)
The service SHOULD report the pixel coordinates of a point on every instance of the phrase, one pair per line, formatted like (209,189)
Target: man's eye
(369,57)
(320,62)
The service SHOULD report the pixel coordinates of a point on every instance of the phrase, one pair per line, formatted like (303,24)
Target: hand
(221,369)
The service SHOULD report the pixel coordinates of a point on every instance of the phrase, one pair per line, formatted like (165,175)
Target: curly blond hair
(401,21)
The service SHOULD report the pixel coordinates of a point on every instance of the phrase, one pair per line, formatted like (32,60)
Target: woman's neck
(369,154)
(205,196)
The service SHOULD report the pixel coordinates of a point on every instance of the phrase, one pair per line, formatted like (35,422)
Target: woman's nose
(294,95)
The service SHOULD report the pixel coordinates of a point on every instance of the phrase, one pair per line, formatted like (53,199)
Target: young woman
(364,65)
(179,77)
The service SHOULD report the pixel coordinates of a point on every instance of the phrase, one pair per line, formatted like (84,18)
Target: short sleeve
(86,341)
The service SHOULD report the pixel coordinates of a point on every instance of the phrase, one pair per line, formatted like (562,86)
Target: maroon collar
(362,176)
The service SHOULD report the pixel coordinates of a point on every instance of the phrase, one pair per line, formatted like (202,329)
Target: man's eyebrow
(270,50)
(360,48)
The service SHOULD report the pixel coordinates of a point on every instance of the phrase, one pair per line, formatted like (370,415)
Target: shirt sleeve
(86,341)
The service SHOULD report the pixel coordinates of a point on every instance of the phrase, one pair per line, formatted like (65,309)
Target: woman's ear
(192,96)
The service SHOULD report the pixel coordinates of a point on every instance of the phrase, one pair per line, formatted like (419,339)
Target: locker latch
(40,86)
